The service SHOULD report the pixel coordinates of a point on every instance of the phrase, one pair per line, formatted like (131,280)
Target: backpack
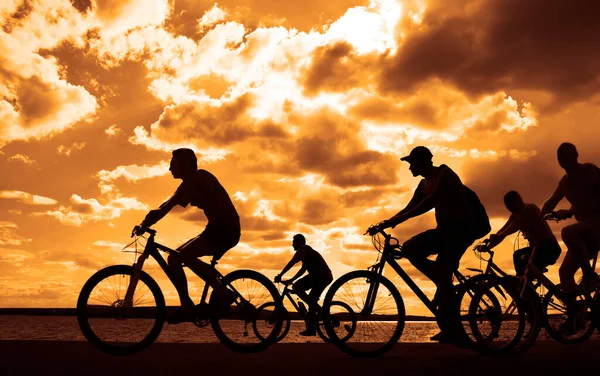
(480,223)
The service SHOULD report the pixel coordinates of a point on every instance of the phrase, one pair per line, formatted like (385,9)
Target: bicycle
(344,319)
(554,308)
(121,309)
(381,313)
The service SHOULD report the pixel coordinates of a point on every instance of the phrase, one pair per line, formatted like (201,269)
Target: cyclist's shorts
(221,238)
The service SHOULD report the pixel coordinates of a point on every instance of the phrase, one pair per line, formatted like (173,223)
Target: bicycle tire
(83,314)
(322,332)
(559,337)
(363,351)
(249,313)
(488,343)
(285,327)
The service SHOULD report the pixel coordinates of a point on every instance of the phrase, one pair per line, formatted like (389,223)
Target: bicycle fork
(137,270)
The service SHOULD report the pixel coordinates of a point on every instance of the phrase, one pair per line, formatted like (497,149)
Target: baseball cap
(420,153)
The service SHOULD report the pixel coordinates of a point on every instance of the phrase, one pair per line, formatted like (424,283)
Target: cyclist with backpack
(460,217)
(524,218)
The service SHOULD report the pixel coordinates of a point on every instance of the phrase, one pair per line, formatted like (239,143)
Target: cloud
(483,46)
(27,198)
(331,144)
(8,235)
(113,130)
(35,99)
(131,173)
(67,150)
(23,159)
(82,211)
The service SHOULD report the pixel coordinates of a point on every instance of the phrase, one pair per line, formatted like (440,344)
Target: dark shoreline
(73,312)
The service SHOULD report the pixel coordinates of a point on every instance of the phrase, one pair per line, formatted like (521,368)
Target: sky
(301,109)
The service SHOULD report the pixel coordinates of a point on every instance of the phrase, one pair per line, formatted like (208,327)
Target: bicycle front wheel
(497,315)
(268,319)
(237,328)
(108,324)
(342,318)
(379,310)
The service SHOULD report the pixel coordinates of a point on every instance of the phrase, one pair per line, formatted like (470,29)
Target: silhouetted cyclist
(581,187)
(319,276)
(201,189)
(524,217)
(442,190)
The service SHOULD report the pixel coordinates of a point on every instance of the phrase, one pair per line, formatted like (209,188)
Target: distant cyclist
(525,218)
(442,190)
(581,187)
(318,278)
(201,189)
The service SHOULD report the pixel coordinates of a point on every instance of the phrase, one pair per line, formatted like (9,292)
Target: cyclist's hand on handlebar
(277,278)
(137,231)
(562,214)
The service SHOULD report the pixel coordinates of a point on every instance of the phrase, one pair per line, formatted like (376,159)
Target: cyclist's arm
(296,259)
(157,214)
(551,203)
(500,235)
(298,275)
(414,201)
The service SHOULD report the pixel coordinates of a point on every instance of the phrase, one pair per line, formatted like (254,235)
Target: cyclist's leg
(421,246)
(520,259)
(547,253)
(567,271)
(178,277)
(301,286)
(573,236)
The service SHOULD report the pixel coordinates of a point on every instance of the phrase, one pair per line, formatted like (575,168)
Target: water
(65,328)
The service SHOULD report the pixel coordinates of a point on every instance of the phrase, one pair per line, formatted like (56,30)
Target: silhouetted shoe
(441,337)
(308,333)
(180,316)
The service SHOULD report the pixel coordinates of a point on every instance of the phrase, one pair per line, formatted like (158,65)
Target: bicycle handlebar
(554,216)
(141,229)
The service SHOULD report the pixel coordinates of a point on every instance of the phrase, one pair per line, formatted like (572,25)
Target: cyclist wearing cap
(581,187)
(524,218)
(442,190)
(201,189)
(319,276)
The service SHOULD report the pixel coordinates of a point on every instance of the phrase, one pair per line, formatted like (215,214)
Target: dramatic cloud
(131,173)
(483,46)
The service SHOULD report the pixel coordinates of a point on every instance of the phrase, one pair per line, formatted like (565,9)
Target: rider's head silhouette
(183,163)
(420,159)
(513,201)
(567,156)
(299,241)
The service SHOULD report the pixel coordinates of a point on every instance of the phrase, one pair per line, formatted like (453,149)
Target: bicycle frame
(152,249)
(389,258)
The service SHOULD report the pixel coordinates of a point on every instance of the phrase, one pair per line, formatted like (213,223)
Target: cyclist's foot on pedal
(181,315)
(308,333)
(591,282)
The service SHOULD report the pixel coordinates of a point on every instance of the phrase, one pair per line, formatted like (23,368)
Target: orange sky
(301,111)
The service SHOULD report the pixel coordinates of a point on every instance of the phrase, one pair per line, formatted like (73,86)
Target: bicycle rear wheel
(111,327)
(555,316)
(253,290)
(342,318)
(379,309)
